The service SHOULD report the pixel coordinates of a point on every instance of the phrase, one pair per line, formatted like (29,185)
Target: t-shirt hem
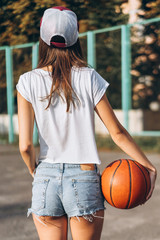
(48,160)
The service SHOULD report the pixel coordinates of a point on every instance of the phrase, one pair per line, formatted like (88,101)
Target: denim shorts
(65,189)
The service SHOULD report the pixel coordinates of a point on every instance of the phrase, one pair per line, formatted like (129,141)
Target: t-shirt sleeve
(99,87)
(23,88)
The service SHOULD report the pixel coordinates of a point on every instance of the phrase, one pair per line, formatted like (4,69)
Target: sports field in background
(114,52)
(141,223)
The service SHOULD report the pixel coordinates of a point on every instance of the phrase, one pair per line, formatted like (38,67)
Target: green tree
(146,55)
(20,19)
(20,22)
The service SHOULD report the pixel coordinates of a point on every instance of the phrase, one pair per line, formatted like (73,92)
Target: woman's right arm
(26,124)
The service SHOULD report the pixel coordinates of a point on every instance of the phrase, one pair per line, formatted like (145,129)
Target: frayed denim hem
(30,210)
(89,216)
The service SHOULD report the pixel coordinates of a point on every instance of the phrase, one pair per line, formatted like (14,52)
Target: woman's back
(65,137)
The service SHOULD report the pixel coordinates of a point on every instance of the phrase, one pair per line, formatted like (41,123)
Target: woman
(61,95)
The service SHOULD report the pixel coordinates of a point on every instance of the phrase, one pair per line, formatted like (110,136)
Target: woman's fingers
(153,176)
(33,173)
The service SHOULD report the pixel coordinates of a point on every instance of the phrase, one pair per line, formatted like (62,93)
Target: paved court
(141,223)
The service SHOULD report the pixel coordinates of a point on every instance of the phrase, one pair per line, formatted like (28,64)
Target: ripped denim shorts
(61,188)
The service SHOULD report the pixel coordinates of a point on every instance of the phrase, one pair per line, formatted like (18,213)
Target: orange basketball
(125,183)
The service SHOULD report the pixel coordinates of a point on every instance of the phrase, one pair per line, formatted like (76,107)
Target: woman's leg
(87,227)
(51,228)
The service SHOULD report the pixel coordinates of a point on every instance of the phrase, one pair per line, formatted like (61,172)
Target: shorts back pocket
(86,192)
(39,193)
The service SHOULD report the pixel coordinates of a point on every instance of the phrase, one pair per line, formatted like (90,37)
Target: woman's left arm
(26,125)
(123,139)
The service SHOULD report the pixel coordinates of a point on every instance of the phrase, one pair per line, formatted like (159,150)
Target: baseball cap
(59,27)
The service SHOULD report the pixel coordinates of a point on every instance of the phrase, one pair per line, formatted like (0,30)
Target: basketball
(125,183)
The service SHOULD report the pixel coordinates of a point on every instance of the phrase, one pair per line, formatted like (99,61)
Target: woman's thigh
(50,228)
(87,227)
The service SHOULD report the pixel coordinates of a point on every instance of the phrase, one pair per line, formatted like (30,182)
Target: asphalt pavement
(140,223)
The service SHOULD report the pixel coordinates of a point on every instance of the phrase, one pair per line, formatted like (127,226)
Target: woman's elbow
(119,135)
(25,147)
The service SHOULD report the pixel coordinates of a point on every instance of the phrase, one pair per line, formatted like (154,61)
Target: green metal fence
(91,59)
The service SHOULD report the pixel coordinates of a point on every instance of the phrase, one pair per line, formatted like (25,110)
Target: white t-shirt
(65,137)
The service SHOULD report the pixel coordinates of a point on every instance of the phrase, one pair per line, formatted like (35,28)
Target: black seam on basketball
(129,198)
(112,182)
(144,177)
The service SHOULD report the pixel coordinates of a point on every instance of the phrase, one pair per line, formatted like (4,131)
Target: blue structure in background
(91,58)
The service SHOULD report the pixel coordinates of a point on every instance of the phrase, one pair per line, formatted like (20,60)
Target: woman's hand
(153,175)
(33,172)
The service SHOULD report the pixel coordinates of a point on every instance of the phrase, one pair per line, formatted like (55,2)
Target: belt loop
(97,169)
(61,167)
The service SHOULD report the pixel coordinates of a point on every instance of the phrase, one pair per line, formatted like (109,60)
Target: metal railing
(91,59)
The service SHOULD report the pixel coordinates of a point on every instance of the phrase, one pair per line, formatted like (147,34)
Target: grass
(147,144)
(4,139)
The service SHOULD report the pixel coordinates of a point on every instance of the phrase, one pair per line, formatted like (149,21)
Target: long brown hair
(61,60)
